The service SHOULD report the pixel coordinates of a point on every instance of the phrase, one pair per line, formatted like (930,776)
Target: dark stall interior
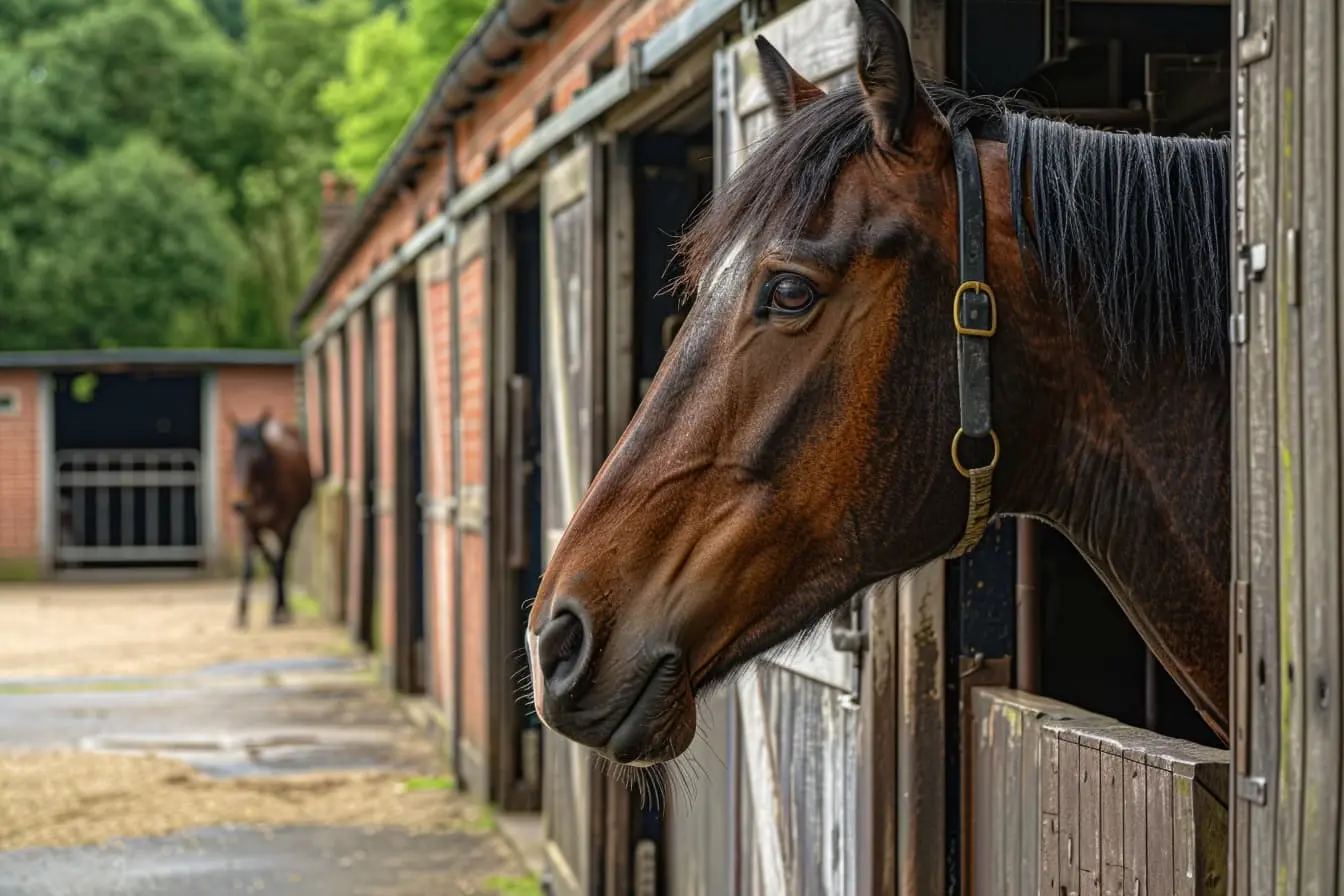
(128,469)
(673,173)
(525,536)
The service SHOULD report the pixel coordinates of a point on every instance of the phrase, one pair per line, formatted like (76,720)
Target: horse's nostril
(560,650)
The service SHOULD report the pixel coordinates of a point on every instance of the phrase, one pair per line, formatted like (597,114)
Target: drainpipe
(1028,608)
(455,410)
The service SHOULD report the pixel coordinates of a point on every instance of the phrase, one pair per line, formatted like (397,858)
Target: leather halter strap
(976,319)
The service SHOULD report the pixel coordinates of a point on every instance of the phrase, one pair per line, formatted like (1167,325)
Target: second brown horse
(274,483)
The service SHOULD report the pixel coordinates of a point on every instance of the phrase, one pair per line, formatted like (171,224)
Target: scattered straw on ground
(63,630)
(58,799)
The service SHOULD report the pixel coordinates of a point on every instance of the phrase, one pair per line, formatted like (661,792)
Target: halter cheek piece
(975,317)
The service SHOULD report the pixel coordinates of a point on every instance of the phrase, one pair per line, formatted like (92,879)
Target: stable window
(9,402)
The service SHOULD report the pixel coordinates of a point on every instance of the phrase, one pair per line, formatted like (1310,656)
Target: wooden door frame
(509,786)
(604,829)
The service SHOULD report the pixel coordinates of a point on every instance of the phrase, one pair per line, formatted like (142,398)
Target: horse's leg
(280,614)
(250,546)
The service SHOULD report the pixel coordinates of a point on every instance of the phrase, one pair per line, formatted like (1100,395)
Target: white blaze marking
(721,273)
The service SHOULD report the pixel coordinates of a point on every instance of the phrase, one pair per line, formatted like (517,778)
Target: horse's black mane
(1136,223)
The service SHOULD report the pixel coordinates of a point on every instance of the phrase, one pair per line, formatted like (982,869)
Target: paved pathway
(147,747)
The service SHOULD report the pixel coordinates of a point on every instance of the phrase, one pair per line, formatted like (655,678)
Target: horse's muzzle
(631,714)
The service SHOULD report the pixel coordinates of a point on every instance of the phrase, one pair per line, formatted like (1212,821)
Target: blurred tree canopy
(160,160)
(391,63)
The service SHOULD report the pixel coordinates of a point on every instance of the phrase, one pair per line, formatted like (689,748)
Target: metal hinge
(1252,260)
(849,634)
(1251,789)
(1256,46)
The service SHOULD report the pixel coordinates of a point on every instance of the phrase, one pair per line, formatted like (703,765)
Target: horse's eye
(789,293)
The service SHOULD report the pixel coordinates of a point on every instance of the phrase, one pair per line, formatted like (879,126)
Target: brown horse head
(253,461)
(797,442)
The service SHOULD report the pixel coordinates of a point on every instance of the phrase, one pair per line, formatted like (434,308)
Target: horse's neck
(1147,502)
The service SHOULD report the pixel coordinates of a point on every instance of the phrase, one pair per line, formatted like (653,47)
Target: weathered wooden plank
(1136,821)
(1161,838)
(1321,870)
(1264,722)
(1288,427)
(1068,807)
(1049,824)
(983,797)
(920,758)
(1211,843)
(818,38)
(1089,817)
(1008,750)
(1112,820)
(1115,806)
(762,779)
(1029,861)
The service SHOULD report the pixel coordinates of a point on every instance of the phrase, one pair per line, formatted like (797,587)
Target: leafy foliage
(160,160)
(138,218)
(391,64)
(229,15)
(158,176)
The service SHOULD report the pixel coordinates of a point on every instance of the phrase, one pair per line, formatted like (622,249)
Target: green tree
(293,49)
(200,155)
(229,15)
(391,63)
(140,245)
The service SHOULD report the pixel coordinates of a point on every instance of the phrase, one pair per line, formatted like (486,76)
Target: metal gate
(128,507)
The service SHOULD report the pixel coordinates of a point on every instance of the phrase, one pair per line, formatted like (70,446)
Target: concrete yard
(146,746)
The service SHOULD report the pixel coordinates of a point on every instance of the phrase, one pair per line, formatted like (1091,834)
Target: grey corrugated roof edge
(80,359)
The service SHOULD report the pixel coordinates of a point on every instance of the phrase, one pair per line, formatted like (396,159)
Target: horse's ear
(788,90)
(896,100)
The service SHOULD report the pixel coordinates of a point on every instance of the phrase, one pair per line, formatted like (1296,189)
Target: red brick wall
(436,374)
(473,692)
(244,392)
(20,474)
(557,67)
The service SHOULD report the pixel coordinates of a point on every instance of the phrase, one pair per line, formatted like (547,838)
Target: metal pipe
(1149,690)
(455,411)
(1028,654)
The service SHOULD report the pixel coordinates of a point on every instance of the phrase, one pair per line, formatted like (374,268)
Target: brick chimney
(338,198)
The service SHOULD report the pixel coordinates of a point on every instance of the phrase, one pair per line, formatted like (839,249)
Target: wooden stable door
(798,725)
(1288,336)
(572,793)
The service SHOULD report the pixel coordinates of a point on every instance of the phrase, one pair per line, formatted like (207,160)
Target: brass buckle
(956,461)
(975,286)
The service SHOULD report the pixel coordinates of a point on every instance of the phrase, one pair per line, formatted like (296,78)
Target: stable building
(483,324)
(120,460)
